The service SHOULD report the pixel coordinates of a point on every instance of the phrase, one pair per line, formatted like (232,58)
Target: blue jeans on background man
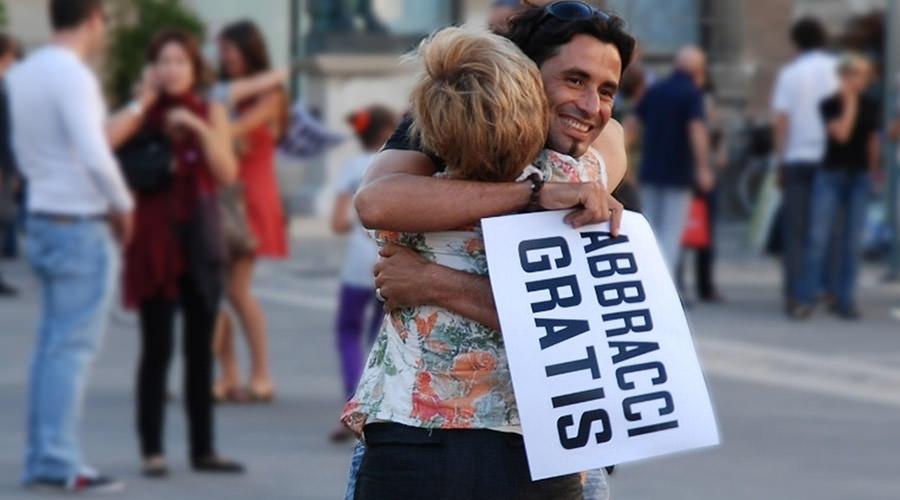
(667,209)
(76,263)
(834,191)
(797,199)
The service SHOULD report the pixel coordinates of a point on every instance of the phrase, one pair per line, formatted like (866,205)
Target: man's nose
(589,104)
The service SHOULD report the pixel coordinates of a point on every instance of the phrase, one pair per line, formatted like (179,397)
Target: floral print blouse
(432,368)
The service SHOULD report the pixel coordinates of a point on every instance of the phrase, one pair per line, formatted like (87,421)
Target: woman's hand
(183,119)
(146,92)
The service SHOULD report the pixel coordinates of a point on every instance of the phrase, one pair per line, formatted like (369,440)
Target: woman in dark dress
(174,262)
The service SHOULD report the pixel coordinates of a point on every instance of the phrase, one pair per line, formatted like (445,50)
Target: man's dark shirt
(665,113)
(853,155)
(401,139)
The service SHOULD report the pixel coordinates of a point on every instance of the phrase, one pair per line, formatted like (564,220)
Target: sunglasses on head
(568,11)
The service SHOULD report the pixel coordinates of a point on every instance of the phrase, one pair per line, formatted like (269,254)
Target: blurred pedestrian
(673,118)
(705,253)
(257,125)
(176,260)
(800,146)
(500,13)
(78,207)
(359,312)
(631,91)
(843,185)
(9,177)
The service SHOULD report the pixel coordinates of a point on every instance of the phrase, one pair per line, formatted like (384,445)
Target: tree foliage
(135,24)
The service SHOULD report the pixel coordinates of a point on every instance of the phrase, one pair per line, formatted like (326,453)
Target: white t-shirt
(799,88)
(362,251)
(58,117)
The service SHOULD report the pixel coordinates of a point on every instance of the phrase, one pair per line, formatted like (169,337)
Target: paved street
(806,411)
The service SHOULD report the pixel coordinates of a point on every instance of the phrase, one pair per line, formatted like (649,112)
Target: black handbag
(147,162)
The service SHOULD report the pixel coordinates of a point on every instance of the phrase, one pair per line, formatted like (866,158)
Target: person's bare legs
(253,321)
(228,385)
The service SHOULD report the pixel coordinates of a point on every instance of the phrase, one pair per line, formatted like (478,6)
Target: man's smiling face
(581,81)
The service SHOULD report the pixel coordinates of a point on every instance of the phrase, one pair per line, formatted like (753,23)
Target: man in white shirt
(78,206)
(800,142)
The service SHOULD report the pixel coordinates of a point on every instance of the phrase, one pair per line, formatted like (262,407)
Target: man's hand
(706,180)
(592,203)
(122,227)
(402,275)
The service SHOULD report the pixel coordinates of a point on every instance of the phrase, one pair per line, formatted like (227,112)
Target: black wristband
(537,183)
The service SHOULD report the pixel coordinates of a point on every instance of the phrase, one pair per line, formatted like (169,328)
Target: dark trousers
(422,464)
(704,257)
(797,203)
(157,318)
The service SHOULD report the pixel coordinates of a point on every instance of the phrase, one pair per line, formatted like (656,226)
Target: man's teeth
(576,125)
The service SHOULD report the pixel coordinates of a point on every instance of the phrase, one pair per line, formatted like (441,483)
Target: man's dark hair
(540,37)
(8,44)
(809,34)
(68,14)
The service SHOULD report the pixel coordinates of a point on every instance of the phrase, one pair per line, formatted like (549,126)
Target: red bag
(696,231)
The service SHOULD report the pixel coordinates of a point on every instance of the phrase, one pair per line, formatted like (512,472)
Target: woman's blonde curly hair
(479,104)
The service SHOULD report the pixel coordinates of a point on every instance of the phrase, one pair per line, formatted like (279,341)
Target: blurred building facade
(346,51)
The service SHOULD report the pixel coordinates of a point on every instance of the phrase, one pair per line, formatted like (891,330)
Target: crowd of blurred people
(181,181)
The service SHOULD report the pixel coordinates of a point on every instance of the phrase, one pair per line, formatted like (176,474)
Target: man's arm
(82,113)
(406,279)
(699,136)
(398,194)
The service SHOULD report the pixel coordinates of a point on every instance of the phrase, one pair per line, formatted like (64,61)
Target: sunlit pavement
(806,410)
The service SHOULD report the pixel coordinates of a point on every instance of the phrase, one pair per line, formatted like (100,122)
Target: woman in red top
(256,125)
(174,261)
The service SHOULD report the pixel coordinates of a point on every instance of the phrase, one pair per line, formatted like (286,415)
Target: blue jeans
(834,191)
(667,208)
(798,185)
(76,264)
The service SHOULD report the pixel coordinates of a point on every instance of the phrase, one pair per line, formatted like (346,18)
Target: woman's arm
(215,137)
(122,125)
(265,111)
(873,153)
(244,88)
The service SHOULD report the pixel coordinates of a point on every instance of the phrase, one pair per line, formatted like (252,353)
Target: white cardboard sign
(600,352)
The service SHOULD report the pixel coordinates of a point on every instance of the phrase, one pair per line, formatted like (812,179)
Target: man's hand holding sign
(600,352)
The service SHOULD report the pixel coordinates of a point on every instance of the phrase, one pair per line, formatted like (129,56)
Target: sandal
(224,394)
(155,467)
(266,394)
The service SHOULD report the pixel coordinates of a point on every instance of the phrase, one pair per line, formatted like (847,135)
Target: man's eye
(576,81)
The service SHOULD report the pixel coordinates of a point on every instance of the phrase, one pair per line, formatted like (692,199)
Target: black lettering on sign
(577,397)
(588,363)
(628,350)
(640,431)
(559,330)
(633,416)
(660,377)
(601,239)
(584,429)
(615,263)
(620,293)
(543,263)
(630,325)
(553,286)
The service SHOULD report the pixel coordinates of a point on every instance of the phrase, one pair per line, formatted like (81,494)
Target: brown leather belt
(66,218)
